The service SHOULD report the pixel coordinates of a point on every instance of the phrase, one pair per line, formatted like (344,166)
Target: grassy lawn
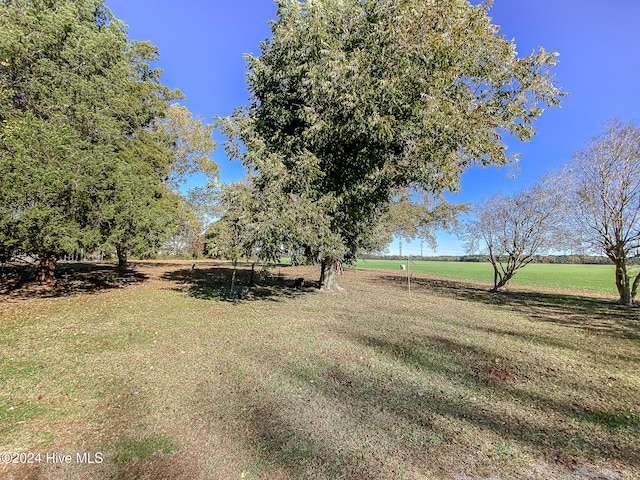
(165,380)
(597,278)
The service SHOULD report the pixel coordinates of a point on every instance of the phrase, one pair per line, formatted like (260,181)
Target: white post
(408,276)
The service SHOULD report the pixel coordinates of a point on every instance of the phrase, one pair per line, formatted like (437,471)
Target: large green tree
(91,145)
(161,145)
(138,212)
(61,64)
(353,101)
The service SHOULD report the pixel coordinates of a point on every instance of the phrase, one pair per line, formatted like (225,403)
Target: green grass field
(598,278)
(165,379)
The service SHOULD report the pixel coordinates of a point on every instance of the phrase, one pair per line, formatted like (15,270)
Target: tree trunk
(121,251)
(496,273)
(253,271)
(47,267)
(328,271)
(504,279)
(634,288)
(495,278)
(233,277)
(622,282)
(501,276)
(311,256)
(499,279)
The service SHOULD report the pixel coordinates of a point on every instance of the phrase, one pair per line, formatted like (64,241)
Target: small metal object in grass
(239,292)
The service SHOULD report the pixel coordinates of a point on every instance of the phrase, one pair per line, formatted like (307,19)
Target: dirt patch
(496,373)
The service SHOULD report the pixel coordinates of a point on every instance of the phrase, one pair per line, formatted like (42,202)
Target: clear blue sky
(201,44)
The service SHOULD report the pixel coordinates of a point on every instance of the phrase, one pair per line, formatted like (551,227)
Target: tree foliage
(191,146)
(61,64)
(255,224)
(410,217)
(230,236)
(353,102)
(186,229)
(90,140)
(168,147)
(138,212)
(606,217)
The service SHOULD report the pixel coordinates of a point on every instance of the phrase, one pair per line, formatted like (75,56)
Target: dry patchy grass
(169,380)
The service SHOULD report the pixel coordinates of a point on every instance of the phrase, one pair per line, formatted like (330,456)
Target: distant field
(598,278)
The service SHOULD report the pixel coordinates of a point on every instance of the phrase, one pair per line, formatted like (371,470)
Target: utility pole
(400,244)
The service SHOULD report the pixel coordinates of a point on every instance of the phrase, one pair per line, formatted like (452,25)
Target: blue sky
(201,44)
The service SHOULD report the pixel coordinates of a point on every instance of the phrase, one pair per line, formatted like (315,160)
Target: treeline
(551,259)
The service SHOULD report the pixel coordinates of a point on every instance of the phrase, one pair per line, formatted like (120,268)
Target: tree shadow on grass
(19,282)
(481,371)
(350,419)
(478,371)
(214,282)
(591,314)
(287,445)
(431,412)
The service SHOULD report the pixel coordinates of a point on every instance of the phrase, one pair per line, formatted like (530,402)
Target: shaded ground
(19,281)
(212,280)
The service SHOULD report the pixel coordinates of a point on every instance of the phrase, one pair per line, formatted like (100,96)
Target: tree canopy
(354,101)
(60,63)
(90,141)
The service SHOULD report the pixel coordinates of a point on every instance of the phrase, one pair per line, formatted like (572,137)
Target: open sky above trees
(201,44)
